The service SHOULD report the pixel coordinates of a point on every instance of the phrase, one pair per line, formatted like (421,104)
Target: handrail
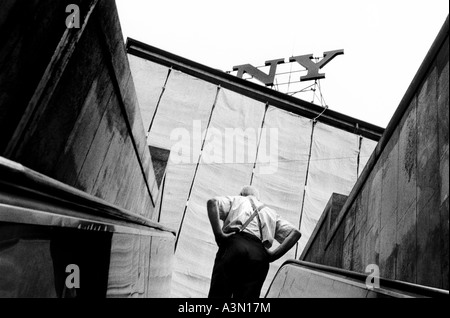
(406,287)
(19,179)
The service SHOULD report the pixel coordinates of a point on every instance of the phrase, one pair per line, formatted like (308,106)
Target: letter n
(267,79)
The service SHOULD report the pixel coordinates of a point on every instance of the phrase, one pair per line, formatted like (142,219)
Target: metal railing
(29,197)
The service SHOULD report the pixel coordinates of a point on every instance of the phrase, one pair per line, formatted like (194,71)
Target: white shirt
(235,211)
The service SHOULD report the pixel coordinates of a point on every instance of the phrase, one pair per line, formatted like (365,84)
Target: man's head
(249,190)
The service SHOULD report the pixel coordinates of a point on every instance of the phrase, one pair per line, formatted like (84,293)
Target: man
(249,228)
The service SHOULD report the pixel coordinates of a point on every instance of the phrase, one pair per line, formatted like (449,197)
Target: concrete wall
(316,246)
(68,110)
(397,214)
(68,107)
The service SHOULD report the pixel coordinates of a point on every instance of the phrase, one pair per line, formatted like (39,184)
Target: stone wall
(397,215)
(68,107)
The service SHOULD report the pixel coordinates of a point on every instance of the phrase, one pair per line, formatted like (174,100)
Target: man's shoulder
(269,211)
(226,198)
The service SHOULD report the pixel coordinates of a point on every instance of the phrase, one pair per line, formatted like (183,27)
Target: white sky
(385,41)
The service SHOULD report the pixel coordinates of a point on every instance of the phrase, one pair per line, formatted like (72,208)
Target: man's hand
(289,241)
(271,256)
(221,237)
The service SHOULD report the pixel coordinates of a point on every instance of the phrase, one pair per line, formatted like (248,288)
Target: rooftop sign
(304,60)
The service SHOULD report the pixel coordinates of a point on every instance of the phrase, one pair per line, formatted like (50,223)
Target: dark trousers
(240,268)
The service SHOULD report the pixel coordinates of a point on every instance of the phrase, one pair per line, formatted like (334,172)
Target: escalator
(299,279)
(59,242)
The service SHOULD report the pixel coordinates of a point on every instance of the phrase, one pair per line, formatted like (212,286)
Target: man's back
(243,258)
(234,211)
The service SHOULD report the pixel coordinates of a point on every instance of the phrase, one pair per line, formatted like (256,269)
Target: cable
(159,100)
(163,187)
(318,116)
(306,182)
(196,169)
(259,142)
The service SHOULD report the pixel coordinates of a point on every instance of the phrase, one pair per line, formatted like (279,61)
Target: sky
(384,41)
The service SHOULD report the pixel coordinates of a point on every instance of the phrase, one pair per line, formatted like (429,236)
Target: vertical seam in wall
(306,182)
(159,99)
(358,158)
(147,280)
(439,166)
(140,273)
(416,102)
(259,142)
(380,207)
(196,168)
(352,242)
(396,199)
(163,186)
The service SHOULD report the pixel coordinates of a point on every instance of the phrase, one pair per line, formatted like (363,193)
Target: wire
(314,94)
(276,86)
(315,119)
(290,74)
(316,88)
(259,142)
(163,89)
(322,99)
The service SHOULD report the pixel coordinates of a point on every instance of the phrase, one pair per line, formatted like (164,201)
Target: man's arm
(213,215)
(282,249)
